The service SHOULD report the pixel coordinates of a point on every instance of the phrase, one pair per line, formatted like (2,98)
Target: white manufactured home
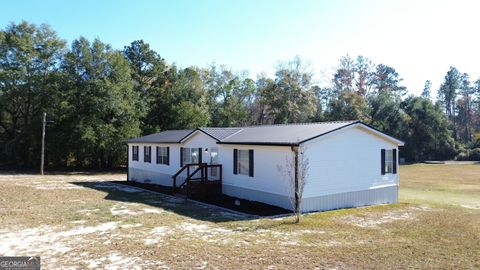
(350,164)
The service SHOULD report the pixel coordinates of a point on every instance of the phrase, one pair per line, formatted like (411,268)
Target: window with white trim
(147,154)
(388,161)
(243,162)
(135,152)
(162,155)
(190,155)
(214,160)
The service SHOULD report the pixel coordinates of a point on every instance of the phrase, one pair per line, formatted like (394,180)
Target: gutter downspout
(297,197)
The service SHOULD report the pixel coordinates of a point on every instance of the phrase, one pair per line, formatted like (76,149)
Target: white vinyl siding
(338,163)
(266,176)
(162,174)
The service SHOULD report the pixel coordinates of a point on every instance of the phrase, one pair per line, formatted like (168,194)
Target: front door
(191,156)
(214,160)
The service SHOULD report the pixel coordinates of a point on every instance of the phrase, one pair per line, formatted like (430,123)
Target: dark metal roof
(220,133)
(169,136)
(286,134)
(177,136)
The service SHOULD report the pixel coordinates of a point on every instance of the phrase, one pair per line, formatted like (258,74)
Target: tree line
(96,97)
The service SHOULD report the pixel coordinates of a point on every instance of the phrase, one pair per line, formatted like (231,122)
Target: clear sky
(420,39)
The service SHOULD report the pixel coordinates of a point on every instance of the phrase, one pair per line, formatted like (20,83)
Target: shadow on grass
(64,171)
(121,192)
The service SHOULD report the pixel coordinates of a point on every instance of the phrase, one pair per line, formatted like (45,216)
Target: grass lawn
(441,185)
(80,221)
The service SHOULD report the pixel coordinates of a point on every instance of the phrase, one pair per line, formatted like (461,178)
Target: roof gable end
(196,131)
(359,124)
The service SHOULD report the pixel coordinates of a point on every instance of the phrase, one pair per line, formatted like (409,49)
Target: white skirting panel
(259,196)
(380,195)
(152,177)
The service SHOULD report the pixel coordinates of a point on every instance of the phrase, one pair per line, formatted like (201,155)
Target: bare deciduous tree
(295,174)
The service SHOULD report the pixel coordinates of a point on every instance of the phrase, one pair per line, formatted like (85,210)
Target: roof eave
(149,142)
(260,143)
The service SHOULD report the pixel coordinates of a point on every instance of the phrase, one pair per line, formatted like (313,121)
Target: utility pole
(42,159)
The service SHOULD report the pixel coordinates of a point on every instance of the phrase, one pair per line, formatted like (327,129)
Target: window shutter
(181,156)
(157,154)
(383,161)
(250,162)
(200,155)
(235,163)
(144,154)
(168,155)
(394,154)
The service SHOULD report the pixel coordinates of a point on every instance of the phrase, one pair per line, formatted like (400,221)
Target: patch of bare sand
(54,242)
(115,260)
(376,219)
(471,206)
(130,209)
(49,185)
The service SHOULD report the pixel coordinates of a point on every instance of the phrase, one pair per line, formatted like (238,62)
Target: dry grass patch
(444,185)
(83,222)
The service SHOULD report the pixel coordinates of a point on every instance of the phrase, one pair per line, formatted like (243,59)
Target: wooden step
(203,189)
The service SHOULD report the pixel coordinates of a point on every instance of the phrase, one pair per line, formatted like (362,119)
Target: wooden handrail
(189,177)
(185,166)
(202,167)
